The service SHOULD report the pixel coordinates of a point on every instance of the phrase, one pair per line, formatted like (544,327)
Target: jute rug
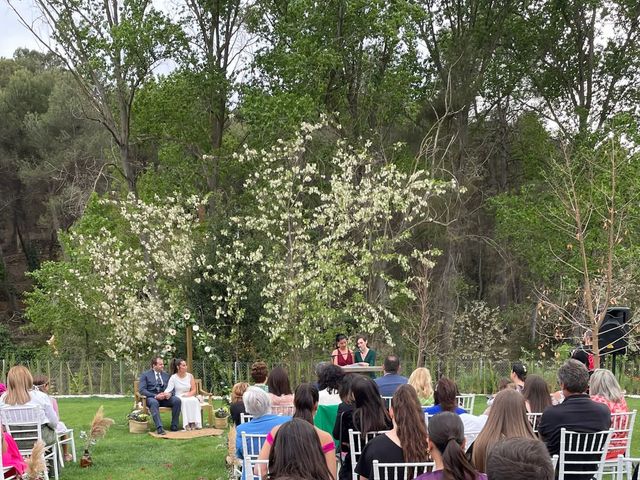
(186,435)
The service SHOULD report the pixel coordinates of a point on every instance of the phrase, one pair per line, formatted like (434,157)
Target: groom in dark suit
(152,385)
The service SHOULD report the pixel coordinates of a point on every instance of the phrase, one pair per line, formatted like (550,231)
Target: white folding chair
(4,470)
(534,420)
(24,423)
(245,417)
(250,465)
(622,425)
(283,410)
(554,461)
(582,453)
(251,445)
(400,471)
(356,444)
(66,438)
(386,400)
(466,401)
(626,466)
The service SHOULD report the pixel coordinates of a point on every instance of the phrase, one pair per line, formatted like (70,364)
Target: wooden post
(189,333)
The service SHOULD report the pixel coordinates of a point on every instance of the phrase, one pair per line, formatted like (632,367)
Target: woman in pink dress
(604,388)
(11,455)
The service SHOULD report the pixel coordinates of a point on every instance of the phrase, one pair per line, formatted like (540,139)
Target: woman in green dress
(364,355)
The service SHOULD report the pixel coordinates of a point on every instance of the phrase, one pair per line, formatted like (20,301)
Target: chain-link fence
(471,375)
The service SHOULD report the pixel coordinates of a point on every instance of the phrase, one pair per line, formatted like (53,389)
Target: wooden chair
(206,402)
(400,471)
(582,453)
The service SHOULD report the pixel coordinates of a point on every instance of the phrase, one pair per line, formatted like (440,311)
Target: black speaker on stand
(613,333)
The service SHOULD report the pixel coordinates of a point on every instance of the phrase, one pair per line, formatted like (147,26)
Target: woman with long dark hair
(368,414)
(297,453)
(536,394)
(279,387)
(406,442)
(446,445)
(342,355)
(305,401)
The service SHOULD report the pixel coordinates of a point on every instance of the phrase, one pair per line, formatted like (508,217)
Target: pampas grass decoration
(36,465)
(99,427)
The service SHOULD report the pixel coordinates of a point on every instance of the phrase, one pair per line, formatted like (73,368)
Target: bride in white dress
(184,386)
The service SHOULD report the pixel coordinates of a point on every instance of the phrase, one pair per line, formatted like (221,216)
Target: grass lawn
(123,456)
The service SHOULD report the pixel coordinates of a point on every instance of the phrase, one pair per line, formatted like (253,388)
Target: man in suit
(152,385)
(391,380)
(577,413)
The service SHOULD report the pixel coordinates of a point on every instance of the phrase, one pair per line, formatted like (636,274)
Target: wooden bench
(140,401)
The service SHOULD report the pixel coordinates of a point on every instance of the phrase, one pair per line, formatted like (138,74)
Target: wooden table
(361,369)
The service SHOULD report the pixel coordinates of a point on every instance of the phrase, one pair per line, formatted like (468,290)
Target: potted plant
(138,422)
(221,416)
(99,427)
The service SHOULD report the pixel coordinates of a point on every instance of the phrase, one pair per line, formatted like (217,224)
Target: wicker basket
(220,423)
(138,427)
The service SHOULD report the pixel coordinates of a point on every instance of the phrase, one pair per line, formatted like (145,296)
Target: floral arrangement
(222,413)
(99,427)
(138,416)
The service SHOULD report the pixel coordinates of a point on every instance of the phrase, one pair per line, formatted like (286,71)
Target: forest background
(455,179)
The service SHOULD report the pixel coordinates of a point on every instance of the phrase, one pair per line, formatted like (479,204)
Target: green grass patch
(125,456)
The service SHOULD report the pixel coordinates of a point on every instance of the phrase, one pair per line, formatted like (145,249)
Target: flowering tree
(330,230)
(131,277)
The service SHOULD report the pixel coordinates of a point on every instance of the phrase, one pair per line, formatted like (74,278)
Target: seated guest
(257,403)
(11,457)
(153,384)
(182,385)
(420,379)
(519,459)
(444,397)
(236,407)
(41,383)
(259,373)
(502,384)
(391,380)
(20,392)
(368,415)
(447,444)
(518,375)
(342,355)
(536,394)
(297,453)
(507,419)
(329,380)
(344,418)
(577,413)
(279,388)
(406,442)
(604,388)
(306,403)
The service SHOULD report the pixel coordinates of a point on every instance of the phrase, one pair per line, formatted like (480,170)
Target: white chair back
(3,469)
(250,465)
(534,420)
(356,444)
(245,417)
(582,453)
(400,471)
(251,445)
(283,410)
(622,425)
(554,461)
(625,466)
(466,401)
(24,423)
(386,400)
